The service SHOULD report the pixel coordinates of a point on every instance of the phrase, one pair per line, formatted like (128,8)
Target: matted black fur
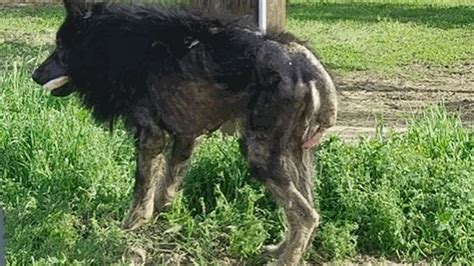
(174,74)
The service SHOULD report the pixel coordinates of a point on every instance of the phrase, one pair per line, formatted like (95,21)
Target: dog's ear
(75,8)
(83,9)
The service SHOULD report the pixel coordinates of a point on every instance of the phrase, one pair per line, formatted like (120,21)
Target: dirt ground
(365,97)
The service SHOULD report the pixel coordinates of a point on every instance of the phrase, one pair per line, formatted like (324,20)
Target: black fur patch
(111,51)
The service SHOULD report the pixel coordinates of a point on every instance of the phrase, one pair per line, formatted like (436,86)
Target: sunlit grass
(384,36)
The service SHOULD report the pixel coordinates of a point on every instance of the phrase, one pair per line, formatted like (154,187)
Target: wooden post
(276,9)
(276,14)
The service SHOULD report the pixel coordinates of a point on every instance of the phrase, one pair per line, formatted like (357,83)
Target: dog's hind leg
(280,171)
(153,145)
(272,147)
(300,214)
(301,217)
(169,182)
(304,185)
(306,173)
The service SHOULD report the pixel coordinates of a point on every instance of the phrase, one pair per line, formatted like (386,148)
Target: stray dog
(173,75)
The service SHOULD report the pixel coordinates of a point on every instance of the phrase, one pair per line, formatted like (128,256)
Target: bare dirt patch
(366,98)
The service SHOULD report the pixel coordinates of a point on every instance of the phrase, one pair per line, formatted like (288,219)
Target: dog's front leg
(153,145)
(177,166)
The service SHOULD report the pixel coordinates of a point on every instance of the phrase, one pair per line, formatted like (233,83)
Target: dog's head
(54,74)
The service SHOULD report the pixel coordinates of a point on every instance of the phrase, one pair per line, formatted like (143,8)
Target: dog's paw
(136,219)
(273,250)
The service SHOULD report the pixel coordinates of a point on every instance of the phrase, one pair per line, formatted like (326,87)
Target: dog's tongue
(56,83)
(315,139)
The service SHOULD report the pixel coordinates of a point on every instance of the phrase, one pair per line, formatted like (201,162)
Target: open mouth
(59,86)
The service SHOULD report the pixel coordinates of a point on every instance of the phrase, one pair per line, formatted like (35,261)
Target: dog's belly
(195,107)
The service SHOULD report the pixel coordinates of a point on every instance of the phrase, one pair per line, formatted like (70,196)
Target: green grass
(386,35)
(65,183)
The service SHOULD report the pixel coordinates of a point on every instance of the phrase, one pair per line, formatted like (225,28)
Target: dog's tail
(323,112)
